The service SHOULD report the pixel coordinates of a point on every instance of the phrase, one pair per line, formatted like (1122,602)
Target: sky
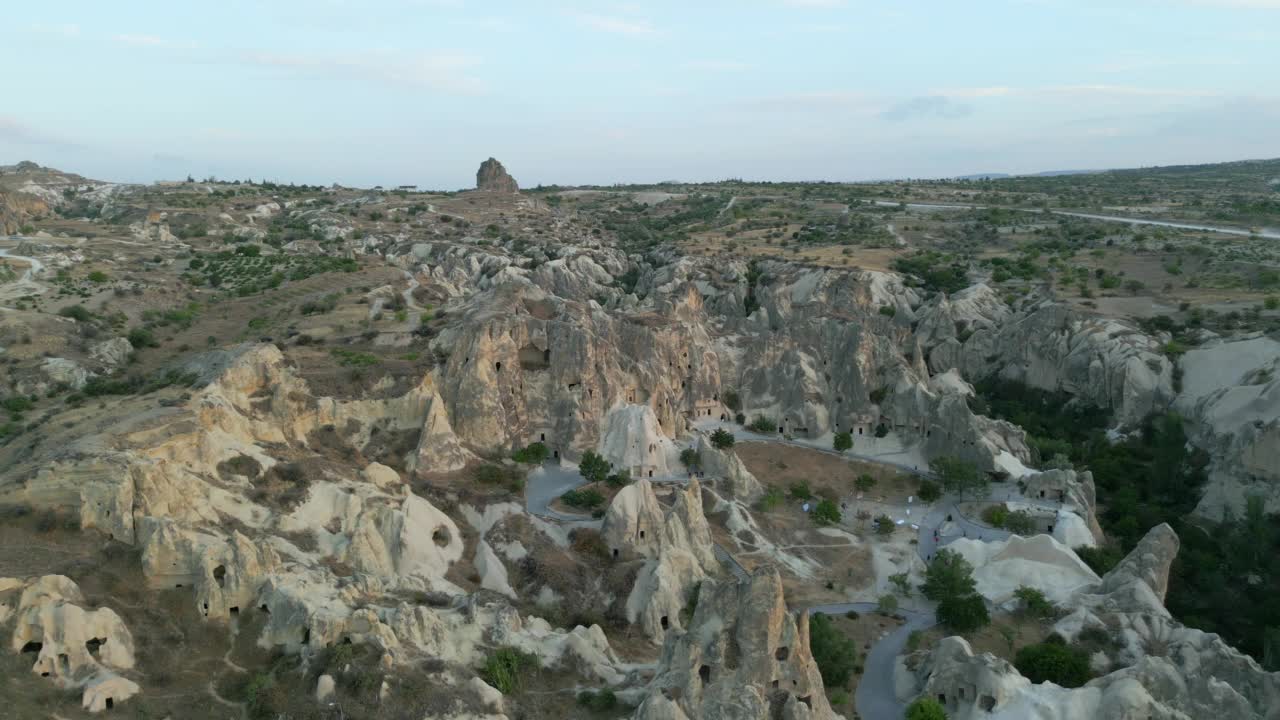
(390,92)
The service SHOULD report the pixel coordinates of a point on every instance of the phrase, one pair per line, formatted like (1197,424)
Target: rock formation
(744,656)
(1103,362)
(1076,523)
(73,647)
(1231,395)
(726,464)
(1160,669)
(677,547)
(492,177)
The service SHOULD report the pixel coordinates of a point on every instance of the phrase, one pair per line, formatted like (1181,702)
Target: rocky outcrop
(677,547)
(72,646)
(111,354)
(1039,561)
(744,656)
(492,177)
(633,441)
(726,464)
(633,522)
(1102,362)
(1158,669)
(1231,397)
(1138,583)
(1076,497)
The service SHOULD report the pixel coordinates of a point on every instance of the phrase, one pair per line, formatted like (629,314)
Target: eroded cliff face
(203,487)
(743,657)
(1231,395)
(1158,669)
(1103,362)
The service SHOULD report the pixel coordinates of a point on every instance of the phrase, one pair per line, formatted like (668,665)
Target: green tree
(925,709)
(1054,662)
(949,575)
(689,457)
(835,653)
(593,467)
(722,439)
(826,513)
(864,482)
(964,613)
(929,491)
(959,476)
(842,441)
(884,525)
(888,604)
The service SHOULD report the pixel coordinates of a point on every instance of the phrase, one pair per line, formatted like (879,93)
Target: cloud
(937,106)
(17,132)
(447,72)
(1082,90)
(69,30)
(616,25)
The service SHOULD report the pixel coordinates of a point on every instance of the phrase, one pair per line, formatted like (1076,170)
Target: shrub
(79,313)
(622,478)
(888,604)
(884,525)
(762,424)
(585,499)
(97,276)
(888,310)
(864,482)
(925,709)
(1020,523)
(771,499)
(722,439)
(141,337)
(826,513)
(1054,662)
(1034,602)
(995,515)
(506,668)
(800,491)
(835,654)
(534,453)
(842,441)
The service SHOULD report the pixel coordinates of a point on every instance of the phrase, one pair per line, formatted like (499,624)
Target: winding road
(26,284)
(876,697)
(1270,234)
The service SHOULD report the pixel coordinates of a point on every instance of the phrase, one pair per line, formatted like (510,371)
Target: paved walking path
(875,698)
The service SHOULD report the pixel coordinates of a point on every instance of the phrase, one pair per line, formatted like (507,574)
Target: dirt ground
(1023,630)
(780,466)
